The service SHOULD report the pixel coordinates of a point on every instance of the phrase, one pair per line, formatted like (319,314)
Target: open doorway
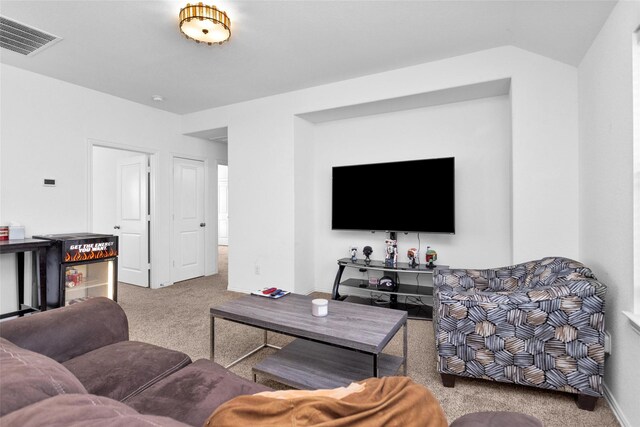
(121,205)
(218,138)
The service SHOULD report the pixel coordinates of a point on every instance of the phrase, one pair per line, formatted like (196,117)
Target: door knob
(202,224)
(116,227)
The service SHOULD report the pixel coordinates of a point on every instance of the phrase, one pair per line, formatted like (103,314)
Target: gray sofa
(77,364)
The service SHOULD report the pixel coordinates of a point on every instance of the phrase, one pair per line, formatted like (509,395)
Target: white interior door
(188,219)
(132,220)
(223,205)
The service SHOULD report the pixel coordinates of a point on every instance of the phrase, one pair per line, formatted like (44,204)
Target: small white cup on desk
(319,307)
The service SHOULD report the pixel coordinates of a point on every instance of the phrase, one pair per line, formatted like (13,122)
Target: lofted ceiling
(134,50)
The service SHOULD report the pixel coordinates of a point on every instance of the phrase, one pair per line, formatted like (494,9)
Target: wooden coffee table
(331,351)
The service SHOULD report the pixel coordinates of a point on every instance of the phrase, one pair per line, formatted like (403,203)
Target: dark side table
(38,249)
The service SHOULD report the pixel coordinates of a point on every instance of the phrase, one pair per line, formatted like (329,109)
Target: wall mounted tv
(392,196)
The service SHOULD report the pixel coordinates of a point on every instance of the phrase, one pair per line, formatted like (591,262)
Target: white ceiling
(133,49)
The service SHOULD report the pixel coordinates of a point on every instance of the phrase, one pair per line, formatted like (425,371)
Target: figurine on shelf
(391,256)
(431,256)
(367,251)
(413,256)
(354,253)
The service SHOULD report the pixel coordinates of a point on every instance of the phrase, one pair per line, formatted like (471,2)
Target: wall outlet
(607,342)
(257,269)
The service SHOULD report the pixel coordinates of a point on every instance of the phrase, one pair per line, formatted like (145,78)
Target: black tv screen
(392,196)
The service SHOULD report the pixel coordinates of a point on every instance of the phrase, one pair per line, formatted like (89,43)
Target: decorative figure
(391,256)
(367,250)
(431,256)
(414,258)
(354,253)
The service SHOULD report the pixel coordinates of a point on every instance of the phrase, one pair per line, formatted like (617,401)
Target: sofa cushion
(83,409)
(67,332)
(29,377)
(193,393)
(124,369)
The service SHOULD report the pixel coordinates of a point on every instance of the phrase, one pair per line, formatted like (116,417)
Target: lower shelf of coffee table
(307,365)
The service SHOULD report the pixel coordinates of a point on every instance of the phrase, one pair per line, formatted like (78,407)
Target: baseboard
(240,291)
(624,422)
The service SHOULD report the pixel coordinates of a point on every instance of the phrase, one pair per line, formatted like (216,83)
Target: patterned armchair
(539,324)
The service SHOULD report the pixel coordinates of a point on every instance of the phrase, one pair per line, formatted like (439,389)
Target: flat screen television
(392,196)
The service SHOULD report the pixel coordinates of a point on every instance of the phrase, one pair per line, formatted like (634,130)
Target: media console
(416,299)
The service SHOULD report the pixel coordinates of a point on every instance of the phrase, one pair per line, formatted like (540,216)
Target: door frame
(210,214)
(153,168)
(217,166)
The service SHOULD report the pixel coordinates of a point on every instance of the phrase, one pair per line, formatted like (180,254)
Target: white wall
(477,133)
(305,247)
(606,194)
(46,128)
(264,140)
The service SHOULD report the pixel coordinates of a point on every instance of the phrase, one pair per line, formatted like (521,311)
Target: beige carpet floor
(177,317)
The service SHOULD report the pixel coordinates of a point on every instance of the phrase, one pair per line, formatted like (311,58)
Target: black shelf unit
(416,299)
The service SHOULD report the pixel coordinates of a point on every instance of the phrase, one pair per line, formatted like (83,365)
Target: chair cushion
(29,377)
(124,369)
(83,409)
(193,393)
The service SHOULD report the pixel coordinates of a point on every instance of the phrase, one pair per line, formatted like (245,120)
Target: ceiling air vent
(22,38)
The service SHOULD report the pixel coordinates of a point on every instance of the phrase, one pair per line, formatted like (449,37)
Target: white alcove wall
(477,133)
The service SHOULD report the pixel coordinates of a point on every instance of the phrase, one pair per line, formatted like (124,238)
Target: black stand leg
(587,403)
(35,292)
(42,281)
(448,380)
(393,300)
(20,278)
(336,283)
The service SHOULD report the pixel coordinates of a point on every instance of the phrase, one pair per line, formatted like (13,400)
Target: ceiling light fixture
(205,24)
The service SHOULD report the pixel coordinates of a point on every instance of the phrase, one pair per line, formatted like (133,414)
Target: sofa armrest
(66,332)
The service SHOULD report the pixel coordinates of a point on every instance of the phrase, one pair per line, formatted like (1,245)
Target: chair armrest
(66,332)
(508,278)
(461,279)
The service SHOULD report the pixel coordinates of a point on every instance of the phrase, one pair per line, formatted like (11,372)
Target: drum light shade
(205,24)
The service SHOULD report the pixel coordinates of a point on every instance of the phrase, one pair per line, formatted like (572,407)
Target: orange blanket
(388,401)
